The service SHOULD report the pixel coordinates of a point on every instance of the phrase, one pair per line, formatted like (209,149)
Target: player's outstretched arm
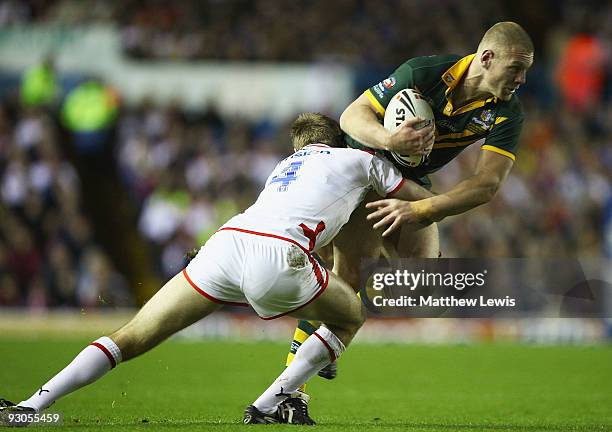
(478,189)
(360,120)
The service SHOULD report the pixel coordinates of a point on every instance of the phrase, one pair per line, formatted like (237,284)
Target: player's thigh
(175,306)
(337,305)
(423,243)
(356,240)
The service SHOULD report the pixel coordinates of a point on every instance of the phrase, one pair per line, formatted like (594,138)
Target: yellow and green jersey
(493,123)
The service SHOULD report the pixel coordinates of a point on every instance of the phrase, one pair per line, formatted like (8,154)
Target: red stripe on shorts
(246,231)
(208,296)
(317,270)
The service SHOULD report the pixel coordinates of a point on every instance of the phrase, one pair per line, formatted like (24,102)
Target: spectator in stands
(39,85)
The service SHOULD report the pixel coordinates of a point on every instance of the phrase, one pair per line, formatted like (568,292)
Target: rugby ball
(407,103)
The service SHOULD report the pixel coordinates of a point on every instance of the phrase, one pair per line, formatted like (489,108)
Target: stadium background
(100,199)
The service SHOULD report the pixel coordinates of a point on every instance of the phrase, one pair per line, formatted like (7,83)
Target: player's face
(507,71)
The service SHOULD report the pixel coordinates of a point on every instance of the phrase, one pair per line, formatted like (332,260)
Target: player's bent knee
(358,319)
(353,318)
(347,329)
(355,315)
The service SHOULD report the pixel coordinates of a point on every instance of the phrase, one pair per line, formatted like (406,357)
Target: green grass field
(189,386)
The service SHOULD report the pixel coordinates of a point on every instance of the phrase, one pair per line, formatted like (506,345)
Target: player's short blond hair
(310,128)
(506,35)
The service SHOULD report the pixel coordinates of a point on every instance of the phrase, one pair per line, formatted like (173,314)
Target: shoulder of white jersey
(357,152)
(360,156)
(345,151)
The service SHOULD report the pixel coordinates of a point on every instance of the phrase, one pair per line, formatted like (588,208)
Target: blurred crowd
(347,31)
(48,255)
(187,172)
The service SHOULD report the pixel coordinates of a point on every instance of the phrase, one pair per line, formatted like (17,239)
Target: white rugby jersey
(311,194)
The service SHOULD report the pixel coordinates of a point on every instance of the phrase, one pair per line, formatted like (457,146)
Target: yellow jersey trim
(463,134)
(498,120)
(453,75)
(451,78)
(499,151)
(466,132)
(466,108)
(374,102)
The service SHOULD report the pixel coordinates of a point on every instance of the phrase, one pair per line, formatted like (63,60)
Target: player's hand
(405,139)
(394,212)
(431,142)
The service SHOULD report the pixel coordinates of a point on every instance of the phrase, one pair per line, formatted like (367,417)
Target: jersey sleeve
(381,94)
(384,177)
(504,136)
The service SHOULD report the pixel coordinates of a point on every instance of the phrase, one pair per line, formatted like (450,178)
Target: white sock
(321,348)
(90,364)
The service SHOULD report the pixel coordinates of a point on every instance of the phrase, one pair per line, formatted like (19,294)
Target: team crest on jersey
(485,120)
(383,86)
(389,82)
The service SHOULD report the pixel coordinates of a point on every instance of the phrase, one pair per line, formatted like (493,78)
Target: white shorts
(273,274)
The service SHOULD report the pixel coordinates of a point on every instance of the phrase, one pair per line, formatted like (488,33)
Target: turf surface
(189,386)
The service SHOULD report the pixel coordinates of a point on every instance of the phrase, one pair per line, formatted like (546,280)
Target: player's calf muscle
(346,329)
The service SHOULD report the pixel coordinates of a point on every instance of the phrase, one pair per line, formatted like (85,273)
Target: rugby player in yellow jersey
(473,101)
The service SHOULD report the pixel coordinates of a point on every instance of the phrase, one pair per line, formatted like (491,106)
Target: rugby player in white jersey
(261,258)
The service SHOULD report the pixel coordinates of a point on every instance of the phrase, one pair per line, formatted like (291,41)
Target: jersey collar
(451,78)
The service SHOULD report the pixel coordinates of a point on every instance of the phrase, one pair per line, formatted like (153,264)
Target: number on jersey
(287,175)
